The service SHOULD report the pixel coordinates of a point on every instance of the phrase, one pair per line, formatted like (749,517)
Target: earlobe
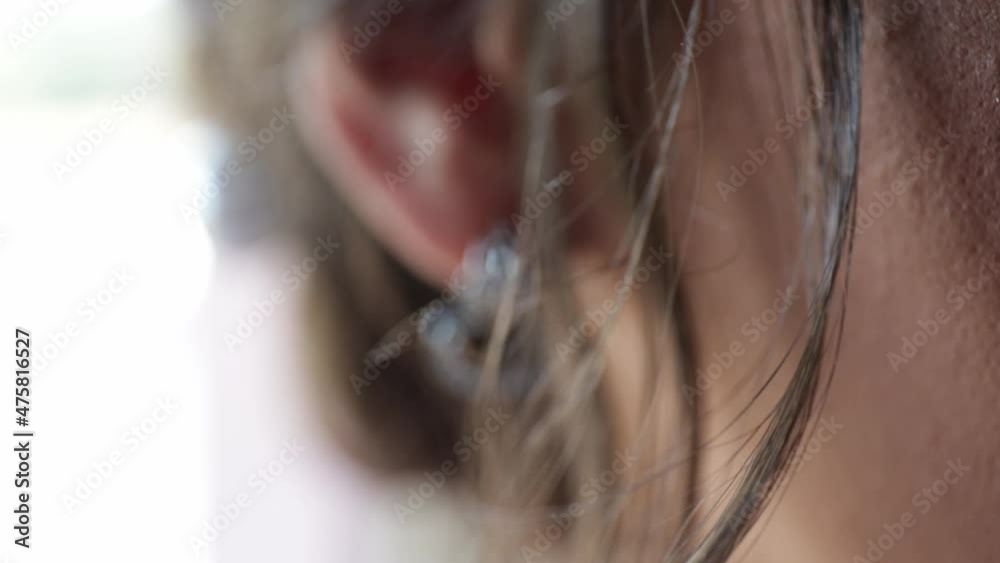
(422,155)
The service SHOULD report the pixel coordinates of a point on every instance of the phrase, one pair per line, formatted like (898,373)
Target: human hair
(635,59)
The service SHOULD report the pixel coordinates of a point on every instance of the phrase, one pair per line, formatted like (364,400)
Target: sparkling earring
(456,339)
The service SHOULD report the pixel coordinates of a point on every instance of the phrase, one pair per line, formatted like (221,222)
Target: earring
(456,339)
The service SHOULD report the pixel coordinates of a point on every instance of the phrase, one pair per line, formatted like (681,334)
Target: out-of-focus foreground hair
(607,60)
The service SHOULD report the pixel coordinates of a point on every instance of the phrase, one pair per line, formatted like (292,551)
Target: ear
(412,120)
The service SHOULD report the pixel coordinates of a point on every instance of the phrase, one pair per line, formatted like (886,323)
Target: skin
(900,427)
(901,424)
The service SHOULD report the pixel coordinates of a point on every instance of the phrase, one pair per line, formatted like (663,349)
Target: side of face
(909,425)
(901,463)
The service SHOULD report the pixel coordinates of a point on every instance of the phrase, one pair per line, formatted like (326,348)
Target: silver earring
(456,339)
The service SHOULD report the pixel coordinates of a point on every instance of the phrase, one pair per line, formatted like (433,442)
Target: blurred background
(108,280)
(155,440)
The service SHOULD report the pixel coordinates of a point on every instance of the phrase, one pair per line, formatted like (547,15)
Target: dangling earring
(456,339)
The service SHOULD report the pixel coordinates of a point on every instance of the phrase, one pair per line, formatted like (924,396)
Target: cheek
(932,75)
(914,392)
